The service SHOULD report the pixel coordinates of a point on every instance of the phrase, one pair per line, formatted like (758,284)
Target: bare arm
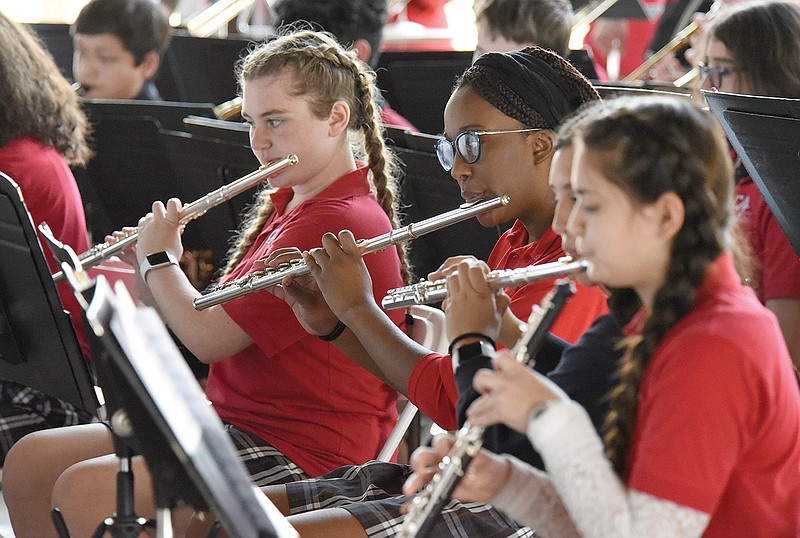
(344,281)
(211,335)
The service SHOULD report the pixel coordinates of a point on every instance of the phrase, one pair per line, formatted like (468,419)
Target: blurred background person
(118,48)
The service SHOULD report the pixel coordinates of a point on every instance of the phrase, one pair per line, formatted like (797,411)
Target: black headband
(537,84)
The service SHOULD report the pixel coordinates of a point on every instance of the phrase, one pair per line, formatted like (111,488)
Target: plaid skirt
(24,410)
(265,463)
(372,493)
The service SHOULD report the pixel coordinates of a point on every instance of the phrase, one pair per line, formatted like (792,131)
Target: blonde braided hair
(328,73)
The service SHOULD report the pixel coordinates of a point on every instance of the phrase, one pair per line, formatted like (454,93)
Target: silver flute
(435,291)
(267,278)
(190,211)
(428,503)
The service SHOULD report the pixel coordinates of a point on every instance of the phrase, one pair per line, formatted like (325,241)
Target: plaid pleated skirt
(372,493)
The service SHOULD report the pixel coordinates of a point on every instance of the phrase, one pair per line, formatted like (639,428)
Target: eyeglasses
(468,146)
(714,74)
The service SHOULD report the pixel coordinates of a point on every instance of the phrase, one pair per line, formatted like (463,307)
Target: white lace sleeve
(581,494)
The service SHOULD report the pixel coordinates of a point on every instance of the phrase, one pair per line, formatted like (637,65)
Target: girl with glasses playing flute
(703,437)
(520,97)
(295,406)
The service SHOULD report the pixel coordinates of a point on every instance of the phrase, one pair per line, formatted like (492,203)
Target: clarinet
(428,503)
(435,291)
(190,211)
(267,278)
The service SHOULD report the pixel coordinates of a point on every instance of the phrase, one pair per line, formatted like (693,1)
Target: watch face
(158,258)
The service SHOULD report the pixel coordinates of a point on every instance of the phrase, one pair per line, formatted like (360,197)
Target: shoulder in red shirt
(293,390)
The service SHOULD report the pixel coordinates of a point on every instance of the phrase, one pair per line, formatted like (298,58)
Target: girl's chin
(490,219)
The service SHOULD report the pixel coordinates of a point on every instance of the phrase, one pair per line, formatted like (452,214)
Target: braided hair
(322,69)
(535,86)
(647,147)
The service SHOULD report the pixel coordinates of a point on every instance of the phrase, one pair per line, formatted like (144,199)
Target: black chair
(38,345)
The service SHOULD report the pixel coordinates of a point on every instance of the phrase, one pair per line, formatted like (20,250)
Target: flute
(435,291)
(427,504)
(191,211)
(267,278)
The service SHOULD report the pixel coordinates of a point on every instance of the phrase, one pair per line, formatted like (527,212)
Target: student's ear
(363,50)
(669,214)
(339,118)
(149,65)
(542,146)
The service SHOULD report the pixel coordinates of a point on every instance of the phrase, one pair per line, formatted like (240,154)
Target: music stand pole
(124,523)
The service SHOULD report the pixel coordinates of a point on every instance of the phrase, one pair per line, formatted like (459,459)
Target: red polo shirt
(293,390)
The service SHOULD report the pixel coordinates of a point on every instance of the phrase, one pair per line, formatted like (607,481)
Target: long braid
(382,162)
(328,73)
(650,147)
(252,223)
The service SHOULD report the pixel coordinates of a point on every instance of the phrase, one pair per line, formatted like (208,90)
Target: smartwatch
(154,261)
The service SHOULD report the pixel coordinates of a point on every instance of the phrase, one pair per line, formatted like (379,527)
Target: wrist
(154,261)
(538,410)
(335,333)
(469,338)
(471,349)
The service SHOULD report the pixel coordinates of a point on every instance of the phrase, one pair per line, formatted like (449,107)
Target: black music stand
(765,133)
(38,345)
(229,131)
(167,114)
(130,169)
(200,165)
(418,84)
(200,68)
(157,408)
(55,37)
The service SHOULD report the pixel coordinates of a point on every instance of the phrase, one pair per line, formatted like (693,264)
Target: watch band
(465,352)
(154,261)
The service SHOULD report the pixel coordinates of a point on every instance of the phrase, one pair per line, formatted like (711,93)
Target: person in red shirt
(704,431)
(754,48)
(42,132)
(295,406)
(515,100)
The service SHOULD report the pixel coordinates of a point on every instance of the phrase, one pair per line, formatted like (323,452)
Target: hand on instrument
(340,273)
(471,305)
(301,293)
(160,230)
(486,474)
(511,391)
(128,254)
(450,265)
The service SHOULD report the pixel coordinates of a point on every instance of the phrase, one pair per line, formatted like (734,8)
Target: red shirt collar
(721,274)
(353,183)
